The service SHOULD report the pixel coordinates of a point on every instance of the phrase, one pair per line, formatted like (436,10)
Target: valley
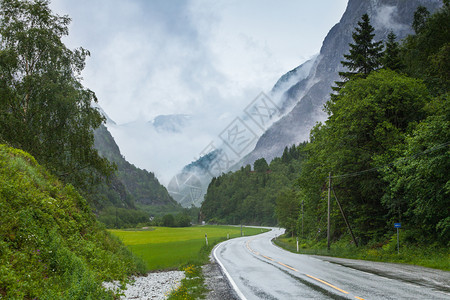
(224,150)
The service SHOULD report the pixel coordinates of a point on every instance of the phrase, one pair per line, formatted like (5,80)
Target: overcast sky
(208,59)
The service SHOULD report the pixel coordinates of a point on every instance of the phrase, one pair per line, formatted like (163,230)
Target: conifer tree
(391,55)
(365,54)
(420,18)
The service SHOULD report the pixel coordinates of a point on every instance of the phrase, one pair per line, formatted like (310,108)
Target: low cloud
(386,18)
(207,59)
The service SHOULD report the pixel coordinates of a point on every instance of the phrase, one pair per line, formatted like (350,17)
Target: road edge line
(230,280)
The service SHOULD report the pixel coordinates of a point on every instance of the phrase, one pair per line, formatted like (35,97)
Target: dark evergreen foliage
(365,54)
(426,54)
(250,197)
(261,166)
(391,56)
(420,18)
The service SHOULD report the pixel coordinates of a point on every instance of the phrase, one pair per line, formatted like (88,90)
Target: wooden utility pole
(329,212)
(345,219)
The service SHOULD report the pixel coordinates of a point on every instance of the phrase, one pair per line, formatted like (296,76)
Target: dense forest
(249,196)
(385,144)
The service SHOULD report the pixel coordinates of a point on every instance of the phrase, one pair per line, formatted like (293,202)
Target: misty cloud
(206,59)
(386,18)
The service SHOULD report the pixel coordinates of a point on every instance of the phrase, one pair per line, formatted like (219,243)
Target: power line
(392,163)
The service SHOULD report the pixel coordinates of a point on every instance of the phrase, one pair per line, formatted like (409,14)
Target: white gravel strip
(153,286)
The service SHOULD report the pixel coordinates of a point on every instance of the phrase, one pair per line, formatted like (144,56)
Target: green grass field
(168,248)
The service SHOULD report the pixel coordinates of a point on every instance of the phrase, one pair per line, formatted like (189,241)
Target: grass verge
(426,256)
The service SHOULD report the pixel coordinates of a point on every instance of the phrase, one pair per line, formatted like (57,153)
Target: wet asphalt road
(257,269)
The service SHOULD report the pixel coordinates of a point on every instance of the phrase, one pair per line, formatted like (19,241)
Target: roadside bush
(168,221)
(182,220)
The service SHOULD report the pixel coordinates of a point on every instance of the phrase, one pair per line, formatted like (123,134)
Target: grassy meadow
(168,248)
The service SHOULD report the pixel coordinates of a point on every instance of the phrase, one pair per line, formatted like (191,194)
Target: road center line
(329,284)
(267,257)
(289,267)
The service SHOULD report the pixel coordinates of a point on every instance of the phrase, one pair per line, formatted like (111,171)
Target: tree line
(385,143)
(249,196)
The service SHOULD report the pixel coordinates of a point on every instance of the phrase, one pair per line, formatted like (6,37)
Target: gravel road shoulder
(216,283)
(153,286)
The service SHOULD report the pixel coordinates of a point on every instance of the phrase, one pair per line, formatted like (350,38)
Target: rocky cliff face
(311,93)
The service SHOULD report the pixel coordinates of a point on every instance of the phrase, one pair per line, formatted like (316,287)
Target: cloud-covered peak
(171,123)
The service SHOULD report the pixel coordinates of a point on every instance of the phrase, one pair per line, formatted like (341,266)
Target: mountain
(170,123)
(300,94)
(189,186)
(162,124)
(220,159)
(279,90)
(311,93)
(130,184)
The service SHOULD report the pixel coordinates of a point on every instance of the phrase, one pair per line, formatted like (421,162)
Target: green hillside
(142,186)
(51,246)
(131,195)
(250,196)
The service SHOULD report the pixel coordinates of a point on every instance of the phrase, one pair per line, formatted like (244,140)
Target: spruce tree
(391,55)
(421,16)
(365,54)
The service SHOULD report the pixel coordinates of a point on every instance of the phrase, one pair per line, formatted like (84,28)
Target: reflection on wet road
(257,269)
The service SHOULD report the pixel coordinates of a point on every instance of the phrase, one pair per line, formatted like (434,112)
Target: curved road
(257,269)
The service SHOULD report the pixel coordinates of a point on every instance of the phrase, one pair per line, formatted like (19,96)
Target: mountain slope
(129,183)
(311,93)
(170,123)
